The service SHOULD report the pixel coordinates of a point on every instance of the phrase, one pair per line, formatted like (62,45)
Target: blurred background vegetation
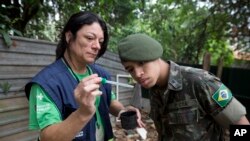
(186,28)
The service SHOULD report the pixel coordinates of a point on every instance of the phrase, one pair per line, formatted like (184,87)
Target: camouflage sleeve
(218,101)
(208,88)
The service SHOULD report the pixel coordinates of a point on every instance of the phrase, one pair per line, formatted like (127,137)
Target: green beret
(139,47)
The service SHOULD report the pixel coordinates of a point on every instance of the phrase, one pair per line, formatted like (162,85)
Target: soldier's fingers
(140,123)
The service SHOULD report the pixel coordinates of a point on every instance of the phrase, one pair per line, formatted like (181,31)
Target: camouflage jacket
(184,110)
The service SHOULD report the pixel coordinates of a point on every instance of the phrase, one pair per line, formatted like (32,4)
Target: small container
(128,120)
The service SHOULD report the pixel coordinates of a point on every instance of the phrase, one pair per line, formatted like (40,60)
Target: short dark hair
(75,23)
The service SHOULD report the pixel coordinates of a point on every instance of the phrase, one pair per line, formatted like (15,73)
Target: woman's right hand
(85,94)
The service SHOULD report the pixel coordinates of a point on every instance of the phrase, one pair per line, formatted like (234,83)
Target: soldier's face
(145,73)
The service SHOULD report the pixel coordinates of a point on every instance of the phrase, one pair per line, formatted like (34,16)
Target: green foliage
(186,29)
(223,51)
(181,28)
(5,87)
(6,29)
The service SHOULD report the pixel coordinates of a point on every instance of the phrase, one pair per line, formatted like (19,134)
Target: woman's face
(85,48)
(145,73)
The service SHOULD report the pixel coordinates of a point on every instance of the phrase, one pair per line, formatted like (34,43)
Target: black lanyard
(67,64)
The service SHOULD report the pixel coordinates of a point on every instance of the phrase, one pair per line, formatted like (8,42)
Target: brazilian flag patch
(222,96)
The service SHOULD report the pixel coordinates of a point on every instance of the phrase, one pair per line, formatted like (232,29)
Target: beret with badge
(139,47)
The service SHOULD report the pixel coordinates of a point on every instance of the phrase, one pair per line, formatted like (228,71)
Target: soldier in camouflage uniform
(187,104)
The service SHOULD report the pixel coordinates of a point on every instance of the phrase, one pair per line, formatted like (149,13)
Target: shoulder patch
(222,96)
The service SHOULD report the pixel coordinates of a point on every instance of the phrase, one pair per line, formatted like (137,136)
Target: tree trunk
(206,61)
(220,66)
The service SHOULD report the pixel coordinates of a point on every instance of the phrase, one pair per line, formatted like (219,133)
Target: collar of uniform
(175,77)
